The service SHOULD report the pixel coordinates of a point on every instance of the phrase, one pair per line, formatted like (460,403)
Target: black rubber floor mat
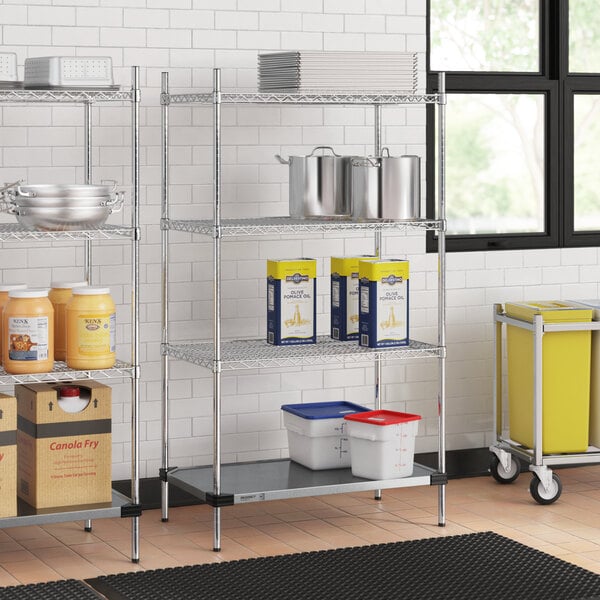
(69,589)
(479,566)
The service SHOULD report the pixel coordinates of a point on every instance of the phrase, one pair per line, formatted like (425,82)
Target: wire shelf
(63,373)
(275,225)
(65,96)
(257,354)
(14,232)
(330,97)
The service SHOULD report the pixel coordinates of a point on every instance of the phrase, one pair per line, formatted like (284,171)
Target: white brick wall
(188,38)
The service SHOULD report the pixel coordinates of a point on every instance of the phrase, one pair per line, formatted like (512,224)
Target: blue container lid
(324,410)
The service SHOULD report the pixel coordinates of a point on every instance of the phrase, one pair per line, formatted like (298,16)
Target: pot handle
(115,203)
(9,207)
(8,186)
(365,162)
(111,182)
(19,191)
(282,160)
(324,148)
(386,149)
(6,206)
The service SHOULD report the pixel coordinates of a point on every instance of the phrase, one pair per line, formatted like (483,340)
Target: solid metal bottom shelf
(27,515)
(281,479)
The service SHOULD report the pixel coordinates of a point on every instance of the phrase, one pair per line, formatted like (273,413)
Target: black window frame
(559,88)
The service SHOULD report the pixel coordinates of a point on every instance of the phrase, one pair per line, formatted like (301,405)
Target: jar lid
(30,293)
(67,285)
(14,286)
(69,391)
(91,291)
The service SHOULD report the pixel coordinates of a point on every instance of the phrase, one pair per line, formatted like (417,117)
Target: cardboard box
(8,456)
(63,458)
(292,301)
(344,296)
(383,286)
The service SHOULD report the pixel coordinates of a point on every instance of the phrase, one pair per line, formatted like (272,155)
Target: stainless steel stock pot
(317,184)
(385,187)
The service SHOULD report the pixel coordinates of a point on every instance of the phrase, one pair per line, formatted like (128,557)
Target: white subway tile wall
(188,38)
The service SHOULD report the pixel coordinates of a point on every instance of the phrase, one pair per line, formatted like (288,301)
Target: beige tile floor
(568,529)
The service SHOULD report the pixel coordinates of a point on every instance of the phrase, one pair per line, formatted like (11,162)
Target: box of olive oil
(344,296)
(291,301)
(383,290)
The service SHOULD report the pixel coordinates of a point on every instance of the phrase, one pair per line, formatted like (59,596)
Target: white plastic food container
(68,71)
(317,433)
(383,443)
(8,66)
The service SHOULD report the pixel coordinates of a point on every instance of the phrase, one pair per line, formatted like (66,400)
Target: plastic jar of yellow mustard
(60,293)
(91,327)
(28,332)
(4,289)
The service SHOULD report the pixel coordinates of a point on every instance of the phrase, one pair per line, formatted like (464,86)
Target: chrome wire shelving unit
(121,505)
(222,485)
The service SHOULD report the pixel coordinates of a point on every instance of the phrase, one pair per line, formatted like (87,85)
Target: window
(586,149)
(495,158)
(492,35)
(523,121)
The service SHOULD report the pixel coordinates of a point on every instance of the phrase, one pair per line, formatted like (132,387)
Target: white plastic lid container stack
(317,433)
(383,443)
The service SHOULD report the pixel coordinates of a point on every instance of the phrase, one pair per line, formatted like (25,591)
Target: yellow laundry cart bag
(565,377)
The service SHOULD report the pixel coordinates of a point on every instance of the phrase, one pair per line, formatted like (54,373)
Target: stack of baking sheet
(306,71)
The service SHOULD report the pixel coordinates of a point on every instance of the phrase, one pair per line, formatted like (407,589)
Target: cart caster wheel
(500,474)
(540,495)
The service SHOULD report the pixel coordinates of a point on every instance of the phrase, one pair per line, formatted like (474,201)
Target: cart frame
(545,485)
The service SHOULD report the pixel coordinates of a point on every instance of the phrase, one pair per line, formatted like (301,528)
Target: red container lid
(382,417)
(69,391)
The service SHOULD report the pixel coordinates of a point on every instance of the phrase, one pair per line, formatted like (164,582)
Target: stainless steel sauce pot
(64,207)
(317,184)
